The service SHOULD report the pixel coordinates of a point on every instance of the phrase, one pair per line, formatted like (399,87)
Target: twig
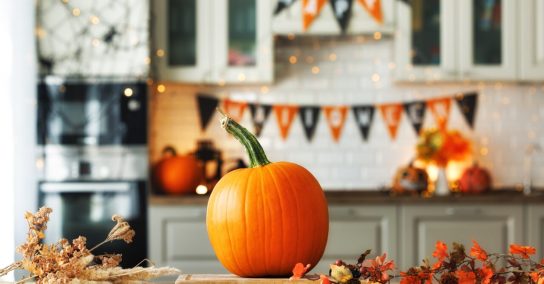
(10,267)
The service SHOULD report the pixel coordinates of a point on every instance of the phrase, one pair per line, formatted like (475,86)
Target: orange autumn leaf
(441,251)
(523,251)
(299,271)
(409,279)
(465,277)
(485,274)
(324,279)
(477,252)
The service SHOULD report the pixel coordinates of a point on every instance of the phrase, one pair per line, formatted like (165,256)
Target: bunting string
(335,116)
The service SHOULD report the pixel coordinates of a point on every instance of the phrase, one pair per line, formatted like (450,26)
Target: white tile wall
(509,117)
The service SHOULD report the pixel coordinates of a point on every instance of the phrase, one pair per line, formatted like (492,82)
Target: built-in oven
(83,113)
(86,207)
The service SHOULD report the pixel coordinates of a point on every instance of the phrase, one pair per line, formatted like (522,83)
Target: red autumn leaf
(441,251)
(299,271)
(477,252)
(523,251)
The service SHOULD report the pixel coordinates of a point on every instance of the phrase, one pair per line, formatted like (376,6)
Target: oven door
(79,113)
(85,208)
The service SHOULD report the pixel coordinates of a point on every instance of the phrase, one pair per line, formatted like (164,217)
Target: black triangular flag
(363,118)
(342,12)
(206,108)
(467,104)
(309,115)
(282,4)
(259,115)
(416,114)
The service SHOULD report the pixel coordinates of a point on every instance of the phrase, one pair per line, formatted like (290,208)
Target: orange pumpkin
(475,180)
(177,174)
(264,219)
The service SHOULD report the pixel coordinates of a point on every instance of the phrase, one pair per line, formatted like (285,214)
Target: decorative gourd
(264,219)
(177,174)
(410,180)
(475,180)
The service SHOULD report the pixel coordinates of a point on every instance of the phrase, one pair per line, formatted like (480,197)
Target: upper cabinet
(460,40)
(289,20)
(532,40)
(216,42)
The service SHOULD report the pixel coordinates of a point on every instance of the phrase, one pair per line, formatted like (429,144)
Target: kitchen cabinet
(216,42)
(535,229)
(439,40)
(178,238)
(531,45)
(354,229)
(494,227)
(289,21)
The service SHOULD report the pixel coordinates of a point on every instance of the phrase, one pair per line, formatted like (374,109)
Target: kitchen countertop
(338,197)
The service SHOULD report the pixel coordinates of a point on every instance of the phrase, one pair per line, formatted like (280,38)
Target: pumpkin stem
(257,157)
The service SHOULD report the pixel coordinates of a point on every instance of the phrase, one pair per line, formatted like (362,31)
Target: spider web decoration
(98,38)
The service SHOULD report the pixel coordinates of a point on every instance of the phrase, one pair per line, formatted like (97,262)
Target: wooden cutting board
(232,279)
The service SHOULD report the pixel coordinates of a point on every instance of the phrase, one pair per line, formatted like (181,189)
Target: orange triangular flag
(374,8)
(440,108)
(391,114)
(310,10)
(336,117)
(285,114)
(235,109)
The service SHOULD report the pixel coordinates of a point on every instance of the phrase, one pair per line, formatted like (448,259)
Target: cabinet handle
(463,211)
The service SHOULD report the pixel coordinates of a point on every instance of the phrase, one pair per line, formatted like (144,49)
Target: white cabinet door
(354,229)
(182,40)
(243,47)
(289,21)
(535,229)
(425,45)
(495,227)
(178,238)
(531,15)
(487,37)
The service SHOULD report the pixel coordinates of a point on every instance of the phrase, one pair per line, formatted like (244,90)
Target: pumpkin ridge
(231,245)
(317,254)
(263,220)
(278,193)
(286,178)
(246,216)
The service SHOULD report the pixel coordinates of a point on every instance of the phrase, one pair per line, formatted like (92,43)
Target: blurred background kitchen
(422,119)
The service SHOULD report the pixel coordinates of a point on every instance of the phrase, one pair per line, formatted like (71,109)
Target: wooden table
(232,279)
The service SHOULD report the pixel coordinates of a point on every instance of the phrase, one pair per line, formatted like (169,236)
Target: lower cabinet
(406,232)
(494,227)
(354,229)
(535,228)
(178,238)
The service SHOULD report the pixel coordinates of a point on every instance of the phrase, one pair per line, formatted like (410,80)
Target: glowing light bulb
(201,189)
(128,92)
(161,88)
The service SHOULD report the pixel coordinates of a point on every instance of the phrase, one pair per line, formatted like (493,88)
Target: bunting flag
(285,114)
(363,118)
(235,109)
(342,12)
(374,8)
(416,114)
(336,118)
(206,108)
(391,114)
(282,4)
(259,115)
(440,108)
(467,104)
(309,115)
(310,10)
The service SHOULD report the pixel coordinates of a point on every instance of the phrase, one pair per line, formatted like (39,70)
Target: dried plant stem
(100,244)
(10,267)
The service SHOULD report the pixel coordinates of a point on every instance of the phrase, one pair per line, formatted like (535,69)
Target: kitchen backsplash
(357,70)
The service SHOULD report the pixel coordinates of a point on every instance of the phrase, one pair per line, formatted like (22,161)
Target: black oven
(92,113)
(85,208)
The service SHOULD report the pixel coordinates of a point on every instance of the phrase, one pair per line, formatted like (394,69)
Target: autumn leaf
(523,251)
(441,251)
(477,252)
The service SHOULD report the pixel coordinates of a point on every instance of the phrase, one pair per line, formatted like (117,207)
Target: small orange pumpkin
(475,180)
(177,174)
(264,219)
